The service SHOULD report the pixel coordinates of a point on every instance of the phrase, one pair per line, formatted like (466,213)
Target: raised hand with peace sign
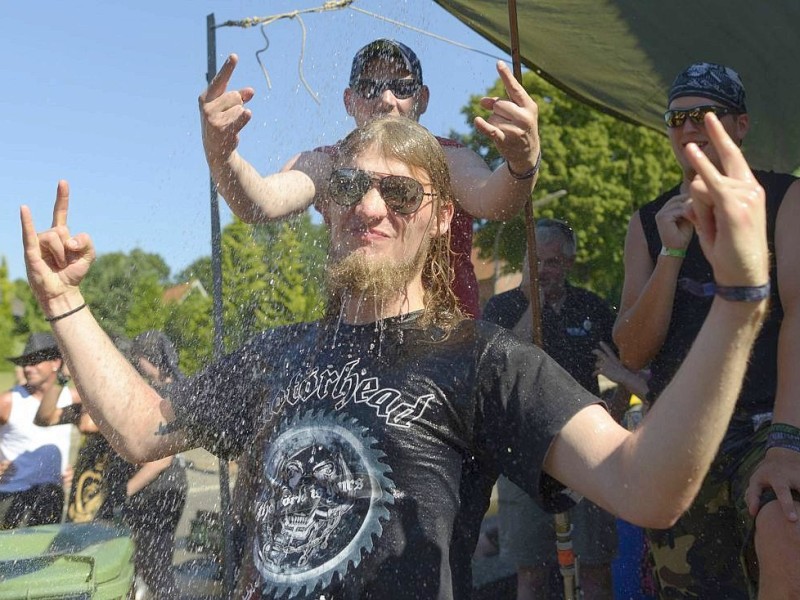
(728,212)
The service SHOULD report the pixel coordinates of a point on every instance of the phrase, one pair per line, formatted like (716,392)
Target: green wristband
(676,252)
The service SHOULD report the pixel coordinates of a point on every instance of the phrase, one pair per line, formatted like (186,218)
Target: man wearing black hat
(33,458)
(385,79)
(668,290)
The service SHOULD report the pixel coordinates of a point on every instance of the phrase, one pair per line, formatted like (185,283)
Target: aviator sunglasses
(372,88)
(401,194)
(677,116)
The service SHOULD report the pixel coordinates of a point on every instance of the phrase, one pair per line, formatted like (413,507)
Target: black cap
(40,347)
(713,81)
(389,50)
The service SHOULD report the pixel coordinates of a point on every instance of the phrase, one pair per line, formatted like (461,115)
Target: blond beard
(378,279)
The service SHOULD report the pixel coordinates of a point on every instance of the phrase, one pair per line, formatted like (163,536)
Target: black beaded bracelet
(66,314)
(529,173)
(754,293)
(783,435)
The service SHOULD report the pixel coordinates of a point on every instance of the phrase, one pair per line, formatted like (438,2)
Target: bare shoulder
(637,264)
(461,158)
(789,216)
(635,242)
(308,158)
(314,163)
(787,244)
(791,198)
(635,222)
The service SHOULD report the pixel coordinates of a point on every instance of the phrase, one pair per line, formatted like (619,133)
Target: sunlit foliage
(111,287)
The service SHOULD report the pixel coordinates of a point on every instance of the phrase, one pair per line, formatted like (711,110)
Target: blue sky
(104,94)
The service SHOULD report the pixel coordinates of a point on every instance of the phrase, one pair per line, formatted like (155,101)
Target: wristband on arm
(66,314)
(743,293)
(753,293)
(529,173)
(783,435)
(676,252)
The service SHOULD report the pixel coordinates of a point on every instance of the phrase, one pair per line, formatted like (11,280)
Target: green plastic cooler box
(71,560)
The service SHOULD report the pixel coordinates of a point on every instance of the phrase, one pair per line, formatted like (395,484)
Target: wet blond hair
(407,141)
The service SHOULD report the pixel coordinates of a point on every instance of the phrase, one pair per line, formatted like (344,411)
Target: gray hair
(550,230)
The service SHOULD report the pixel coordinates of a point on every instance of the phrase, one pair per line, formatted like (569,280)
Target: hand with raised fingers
(780,471)
(513,125)
(728,211)
(223,114)
(674,229)
(56,261)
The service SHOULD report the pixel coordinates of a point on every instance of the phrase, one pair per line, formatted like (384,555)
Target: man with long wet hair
(373,437)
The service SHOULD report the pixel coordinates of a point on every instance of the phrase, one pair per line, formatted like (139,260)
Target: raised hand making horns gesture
(56,262)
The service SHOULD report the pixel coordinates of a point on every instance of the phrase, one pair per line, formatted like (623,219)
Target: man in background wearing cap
(385,79)
(32,458)
(667,293)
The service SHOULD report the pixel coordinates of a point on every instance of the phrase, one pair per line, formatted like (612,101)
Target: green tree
(111,284)
(31,319)
(6,314)
(270,276)
(246,284)
(608,167)
(200,269)
(147,310)
(190,326)
(296,253)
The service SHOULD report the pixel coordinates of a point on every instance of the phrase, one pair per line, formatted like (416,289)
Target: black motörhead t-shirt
(372,450)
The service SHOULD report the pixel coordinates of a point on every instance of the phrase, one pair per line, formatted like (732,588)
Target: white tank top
(38,454)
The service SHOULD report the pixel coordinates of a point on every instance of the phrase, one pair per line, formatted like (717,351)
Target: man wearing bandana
(667,292)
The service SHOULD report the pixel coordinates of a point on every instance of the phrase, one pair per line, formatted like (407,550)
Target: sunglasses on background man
(372,88)
(676,117)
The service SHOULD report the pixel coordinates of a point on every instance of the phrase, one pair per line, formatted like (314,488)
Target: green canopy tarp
(621,56)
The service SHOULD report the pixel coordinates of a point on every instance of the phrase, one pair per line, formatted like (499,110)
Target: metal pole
(530,225)
(565,553)
(216,276)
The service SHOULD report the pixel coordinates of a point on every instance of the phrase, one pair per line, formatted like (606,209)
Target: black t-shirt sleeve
(525,398)
(220,407)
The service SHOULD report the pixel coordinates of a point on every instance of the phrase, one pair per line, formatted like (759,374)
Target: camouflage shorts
(709,552)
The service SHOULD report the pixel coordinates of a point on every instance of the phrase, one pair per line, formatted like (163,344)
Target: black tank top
(689,310)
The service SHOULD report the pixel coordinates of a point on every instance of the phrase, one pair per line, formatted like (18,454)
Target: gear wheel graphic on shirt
(324,500)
